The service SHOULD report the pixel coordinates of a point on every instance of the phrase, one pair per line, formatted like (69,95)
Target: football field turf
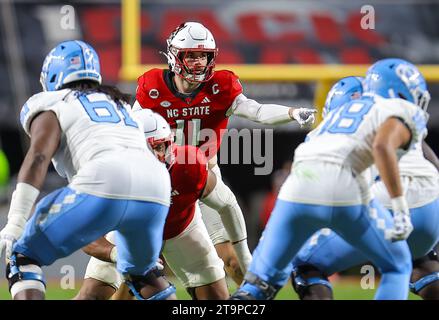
(344,289)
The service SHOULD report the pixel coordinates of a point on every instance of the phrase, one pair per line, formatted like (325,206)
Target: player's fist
(304,116)
(8,236)
(402,225)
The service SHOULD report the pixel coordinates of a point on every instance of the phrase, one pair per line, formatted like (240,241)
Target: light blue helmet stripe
(87,55)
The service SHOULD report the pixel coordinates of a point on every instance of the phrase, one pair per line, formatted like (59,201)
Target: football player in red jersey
(187,249)
(197,102)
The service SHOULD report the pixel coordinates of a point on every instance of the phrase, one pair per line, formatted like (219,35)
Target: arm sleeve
(271,114)
(224,201)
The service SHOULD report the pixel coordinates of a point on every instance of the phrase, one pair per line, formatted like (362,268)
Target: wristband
(23,199)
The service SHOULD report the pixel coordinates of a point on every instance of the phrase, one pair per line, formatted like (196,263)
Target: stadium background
(263,32)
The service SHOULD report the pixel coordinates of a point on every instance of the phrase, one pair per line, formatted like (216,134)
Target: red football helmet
(158,135)
(191,37)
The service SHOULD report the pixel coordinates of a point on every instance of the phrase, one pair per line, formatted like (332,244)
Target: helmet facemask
(163,149)
(415,84)
(182,69)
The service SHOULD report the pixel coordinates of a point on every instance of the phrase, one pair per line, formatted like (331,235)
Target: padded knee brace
(136,283)
(417,286)
(301,285)
(24,273)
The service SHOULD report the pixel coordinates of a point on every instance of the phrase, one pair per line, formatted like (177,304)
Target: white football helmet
(157,131)
(191,37)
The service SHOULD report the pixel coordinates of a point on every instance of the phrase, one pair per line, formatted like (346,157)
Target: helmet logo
(408,74)
(165,104)
(153,93)
(88,59)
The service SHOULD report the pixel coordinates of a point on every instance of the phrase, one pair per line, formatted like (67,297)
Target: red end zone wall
(255,36)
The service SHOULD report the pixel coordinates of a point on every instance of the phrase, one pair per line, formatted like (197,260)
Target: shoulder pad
(40,102)
(224,76)
(149,75)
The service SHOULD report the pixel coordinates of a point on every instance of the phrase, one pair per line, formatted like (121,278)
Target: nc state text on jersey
(189,111)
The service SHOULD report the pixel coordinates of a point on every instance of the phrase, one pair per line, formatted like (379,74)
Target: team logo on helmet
(408,74)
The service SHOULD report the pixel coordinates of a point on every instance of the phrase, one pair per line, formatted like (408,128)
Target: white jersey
(100,143)
(419,178)
(346,135)
(414,163)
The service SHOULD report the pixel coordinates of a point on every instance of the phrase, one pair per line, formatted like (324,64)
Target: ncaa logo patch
(153,93)
(165,104)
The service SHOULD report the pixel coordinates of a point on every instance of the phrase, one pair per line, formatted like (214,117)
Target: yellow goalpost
(323,75)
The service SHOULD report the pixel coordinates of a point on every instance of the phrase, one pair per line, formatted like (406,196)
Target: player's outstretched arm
(392,135)
(219,197)
(45,136)
(271,114)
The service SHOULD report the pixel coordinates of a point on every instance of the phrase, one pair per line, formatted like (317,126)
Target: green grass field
(347,288)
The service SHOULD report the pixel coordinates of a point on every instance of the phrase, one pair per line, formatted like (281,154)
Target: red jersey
(188,179)
(199,118)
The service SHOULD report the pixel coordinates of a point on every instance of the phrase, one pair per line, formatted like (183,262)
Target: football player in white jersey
(327,188)
(115,182)
(326,252)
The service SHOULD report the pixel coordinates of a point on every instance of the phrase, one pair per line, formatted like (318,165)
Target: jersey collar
(168,75)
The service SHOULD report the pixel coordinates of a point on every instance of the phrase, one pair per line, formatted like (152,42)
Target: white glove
(304,116)
(8,236)
(402,225)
